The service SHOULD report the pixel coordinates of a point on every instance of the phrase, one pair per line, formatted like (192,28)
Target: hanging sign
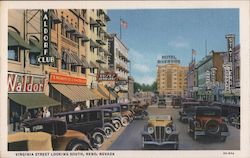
(45,58)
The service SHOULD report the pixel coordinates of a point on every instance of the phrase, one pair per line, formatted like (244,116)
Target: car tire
(125,121)
(108,131)
(76,145)
(99,138)
(117,125)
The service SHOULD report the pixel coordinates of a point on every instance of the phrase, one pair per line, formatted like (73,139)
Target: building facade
(171,77)
(118,63)
(78,42)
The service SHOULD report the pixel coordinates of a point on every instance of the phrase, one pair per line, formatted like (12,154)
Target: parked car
(48,131)
(97,123)
(161,102)
(176,102)
(207,120)
(187,111)
(160,132)
(30,141)
(126,111)
(119,119)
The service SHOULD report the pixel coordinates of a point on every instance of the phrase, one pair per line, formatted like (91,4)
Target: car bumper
(160,143)
(202,133)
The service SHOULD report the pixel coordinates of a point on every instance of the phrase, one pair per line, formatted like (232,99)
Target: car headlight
(168,130)
(150,130)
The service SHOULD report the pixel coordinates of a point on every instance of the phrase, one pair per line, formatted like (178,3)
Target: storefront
(26,91)
(71,91)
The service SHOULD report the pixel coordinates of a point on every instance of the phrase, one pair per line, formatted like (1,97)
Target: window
(94,116)
(92,70)
(63,30)
(92,49)
(73,68)
(13,53)
(33,58)
(52,25)
(83,70)
(64,66)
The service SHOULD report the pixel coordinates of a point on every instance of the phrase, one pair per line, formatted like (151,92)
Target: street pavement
(130,139)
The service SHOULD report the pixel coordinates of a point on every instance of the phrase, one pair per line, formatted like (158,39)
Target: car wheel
(108,131)
(99,139)
(125,121)
(77,145)
(117,125)
(223,138)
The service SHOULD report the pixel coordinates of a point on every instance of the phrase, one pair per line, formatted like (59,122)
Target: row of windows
(14,55)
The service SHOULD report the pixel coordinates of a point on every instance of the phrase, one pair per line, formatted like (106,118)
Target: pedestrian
(46,112)
(26,115)
(16,119)
(39,113)
(77,108)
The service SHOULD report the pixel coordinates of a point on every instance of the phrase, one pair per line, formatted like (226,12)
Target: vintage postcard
(124,79)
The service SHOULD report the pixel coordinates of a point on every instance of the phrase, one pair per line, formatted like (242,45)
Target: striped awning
(105,91)
(100,94)
(76,93)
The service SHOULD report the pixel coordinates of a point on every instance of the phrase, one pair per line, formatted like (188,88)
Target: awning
(93,44)
(53,51)
(68,58)
(14,39)
(93,65)
(75,93)
(100,94)
(94,23)
(105,92)
(79,61)
(84,38)
(55,18)
(35,46)
(86,64)
(69,27)
(33,100)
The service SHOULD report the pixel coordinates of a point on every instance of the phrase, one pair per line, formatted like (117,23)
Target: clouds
(147,79)
(141,67)
(179,42)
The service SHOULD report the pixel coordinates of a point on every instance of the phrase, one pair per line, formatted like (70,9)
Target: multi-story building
(171,77)
(118,63)
(130,87)
(79,45)
(191,82)
(210,76)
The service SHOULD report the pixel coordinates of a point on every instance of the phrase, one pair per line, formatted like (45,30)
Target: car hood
(158,122)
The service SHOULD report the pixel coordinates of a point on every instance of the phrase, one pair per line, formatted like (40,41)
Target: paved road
(130,139)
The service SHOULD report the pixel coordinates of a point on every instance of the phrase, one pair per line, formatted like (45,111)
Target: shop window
(73,68)
(13,53)
(33,58)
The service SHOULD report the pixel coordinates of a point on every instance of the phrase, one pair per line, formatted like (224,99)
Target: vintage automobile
(96,123)
(187,111)
(119,119)
(160,132)
(127,111)
(176,102)
(161,102)
(207,120)
(47,134)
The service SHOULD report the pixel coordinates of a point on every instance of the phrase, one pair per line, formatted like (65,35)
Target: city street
(130,139)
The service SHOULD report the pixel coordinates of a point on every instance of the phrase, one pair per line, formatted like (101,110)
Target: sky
(152,33)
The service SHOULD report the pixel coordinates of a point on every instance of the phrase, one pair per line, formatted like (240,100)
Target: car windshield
(107,114)
(160,117)
(124,107)
(116,109)
(208,113)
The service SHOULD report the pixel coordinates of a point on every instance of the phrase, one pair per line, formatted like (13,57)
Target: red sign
(64,79)
(20,83)
(107,76)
